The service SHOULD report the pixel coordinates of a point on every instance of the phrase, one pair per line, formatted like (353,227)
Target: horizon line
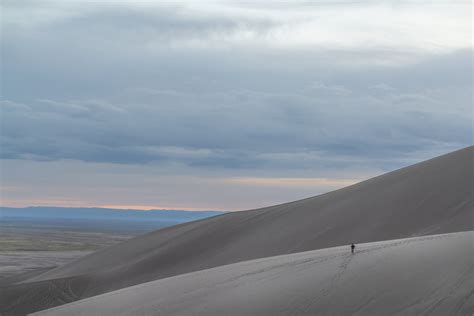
(117,207)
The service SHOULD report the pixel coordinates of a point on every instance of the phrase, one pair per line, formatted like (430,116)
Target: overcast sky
(222,104)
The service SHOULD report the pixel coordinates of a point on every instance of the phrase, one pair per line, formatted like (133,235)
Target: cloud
(236,129)
(220,24)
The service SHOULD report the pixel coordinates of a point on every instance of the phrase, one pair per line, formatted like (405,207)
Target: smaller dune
(430,275)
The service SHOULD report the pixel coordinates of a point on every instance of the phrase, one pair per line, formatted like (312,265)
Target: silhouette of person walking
(352,248)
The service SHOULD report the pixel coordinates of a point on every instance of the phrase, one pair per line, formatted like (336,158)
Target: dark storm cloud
(232,130)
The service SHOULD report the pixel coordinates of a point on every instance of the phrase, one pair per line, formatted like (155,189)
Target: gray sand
(417,276)
(432,197)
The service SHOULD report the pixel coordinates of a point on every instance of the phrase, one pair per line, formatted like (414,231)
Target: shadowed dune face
(432,197)
(416,276)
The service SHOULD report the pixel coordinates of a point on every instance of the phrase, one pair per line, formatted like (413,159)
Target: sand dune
(432,197)
(416,276)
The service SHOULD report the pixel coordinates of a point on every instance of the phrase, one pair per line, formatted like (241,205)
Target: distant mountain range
(99,214)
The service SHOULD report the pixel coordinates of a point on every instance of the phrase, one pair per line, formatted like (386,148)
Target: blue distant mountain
(100,214)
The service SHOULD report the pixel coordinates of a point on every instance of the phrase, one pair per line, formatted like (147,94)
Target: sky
(225,105)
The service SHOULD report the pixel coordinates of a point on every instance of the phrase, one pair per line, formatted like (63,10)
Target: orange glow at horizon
(78,204)
(289,182)
(239,194)
(149,208)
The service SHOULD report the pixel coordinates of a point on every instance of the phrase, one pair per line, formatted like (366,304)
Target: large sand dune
(432,197)
(417,276)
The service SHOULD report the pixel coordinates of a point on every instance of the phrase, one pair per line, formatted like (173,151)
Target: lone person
(352,248)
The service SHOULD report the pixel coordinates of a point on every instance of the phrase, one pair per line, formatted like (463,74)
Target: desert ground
(43,238)
(29,245)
